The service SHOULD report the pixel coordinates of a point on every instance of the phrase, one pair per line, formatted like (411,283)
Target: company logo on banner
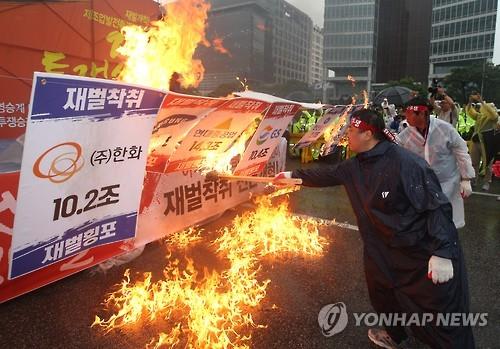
(177,116)
(319,128)
(265,134)
(82,169)
(216,133)
(59,163)
(266,138)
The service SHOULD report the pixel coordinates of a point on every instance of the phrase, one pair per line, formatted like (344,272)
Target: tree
(410,83)
(463,81)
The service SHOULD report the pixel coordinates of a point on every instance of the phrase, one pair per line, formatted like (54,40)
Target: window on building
(475,25)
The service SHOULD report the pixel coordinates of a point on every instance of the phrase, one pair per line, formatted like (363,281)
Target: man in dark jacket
(412,257)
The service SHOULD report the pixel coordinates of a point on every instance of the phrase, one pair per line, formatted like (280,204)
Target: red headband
(358,123)
(417,108)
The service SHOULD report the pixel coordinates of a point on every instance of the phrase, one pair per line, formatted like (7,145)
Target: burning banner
(335,134)
(176,117)
(154,54)
(266,138)
(219,137)
(323,125)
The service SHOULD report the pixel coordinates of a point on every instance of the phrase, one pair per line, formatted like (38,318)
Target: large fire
(366,99)
(352,80)
(155,53)
(224,163)
(333,132)
(214,309)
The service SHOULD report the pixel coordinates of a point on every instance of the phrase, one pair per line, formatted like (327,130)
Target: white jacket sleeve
(460,150)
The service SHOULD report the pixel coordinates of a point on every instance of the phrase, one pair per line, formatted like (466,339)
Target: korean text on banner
(319,128)
(82,169)
(175,201)
(216,133)
(266,138)
(177,116)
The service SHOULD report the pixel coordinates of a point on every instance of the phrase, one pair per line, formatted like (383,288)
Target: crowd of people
(477,123)
(407,193)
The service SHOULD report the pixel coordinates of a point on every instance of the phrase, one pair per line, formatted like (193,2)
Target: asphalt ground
(59,315)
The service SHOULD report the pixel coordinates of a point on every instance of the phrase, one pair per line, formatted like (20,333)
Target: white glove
(281,175)
(465,188)
(440,270)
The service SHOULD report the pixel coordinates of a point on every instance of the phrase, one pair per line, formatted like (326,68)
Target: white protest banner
(177,116)
(82,169)
(216,133)
(321,125)
(175,201)
(266,138)
(338,129)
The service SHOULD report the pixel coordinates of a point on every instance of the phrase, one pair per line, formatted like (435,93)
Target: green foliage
(463,81)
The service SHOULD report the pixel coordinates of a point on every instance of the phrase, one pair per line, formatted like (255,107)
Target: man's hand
(282,175)
(465,189)
(440,270)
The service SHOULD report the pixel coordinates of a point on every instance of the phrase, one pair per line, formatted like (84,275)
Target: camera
(433,89)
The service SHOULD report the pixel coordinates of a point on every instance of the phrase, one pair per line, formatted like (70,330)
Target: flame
(270,229)
(277,191)
(352,80)
(214,310)
(261,27)
(225,162)
(219,46)
(366,100)
(154,54)
(154,144)
(243,83)
(184,239)
(332,132)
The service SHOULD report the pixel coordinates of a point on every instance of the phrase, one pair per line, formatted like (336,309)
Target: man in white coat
(443,148)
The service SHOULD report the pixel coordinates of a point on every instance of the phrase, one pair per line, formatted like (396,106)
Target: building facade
(269,41)
(244,30)
(350,47)
(403,40)
(316,69)
(463,33)
(292,31)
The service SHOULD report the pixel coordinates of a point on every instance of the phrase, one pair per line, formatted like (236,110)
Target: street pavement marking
(485,194)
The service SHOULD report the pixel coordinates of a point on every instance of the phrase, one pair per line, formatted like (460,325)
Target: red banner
(77,38)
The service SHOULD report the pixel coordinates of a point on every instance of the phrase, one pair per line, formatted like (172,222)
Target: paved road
(59,315)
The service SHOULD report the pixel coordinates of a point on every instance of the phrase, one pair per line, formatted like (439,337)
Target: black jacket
(396,197)
(404,218)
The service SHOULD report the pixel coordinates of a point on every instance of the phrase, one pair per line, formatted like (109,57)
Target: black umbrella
(397,95)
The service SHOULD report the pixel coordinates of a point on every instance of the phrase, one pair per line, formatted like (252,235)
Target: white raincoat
(446,152)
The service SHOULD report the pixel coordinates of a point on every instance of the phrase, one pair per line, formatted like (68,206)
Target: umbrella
(397,95)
